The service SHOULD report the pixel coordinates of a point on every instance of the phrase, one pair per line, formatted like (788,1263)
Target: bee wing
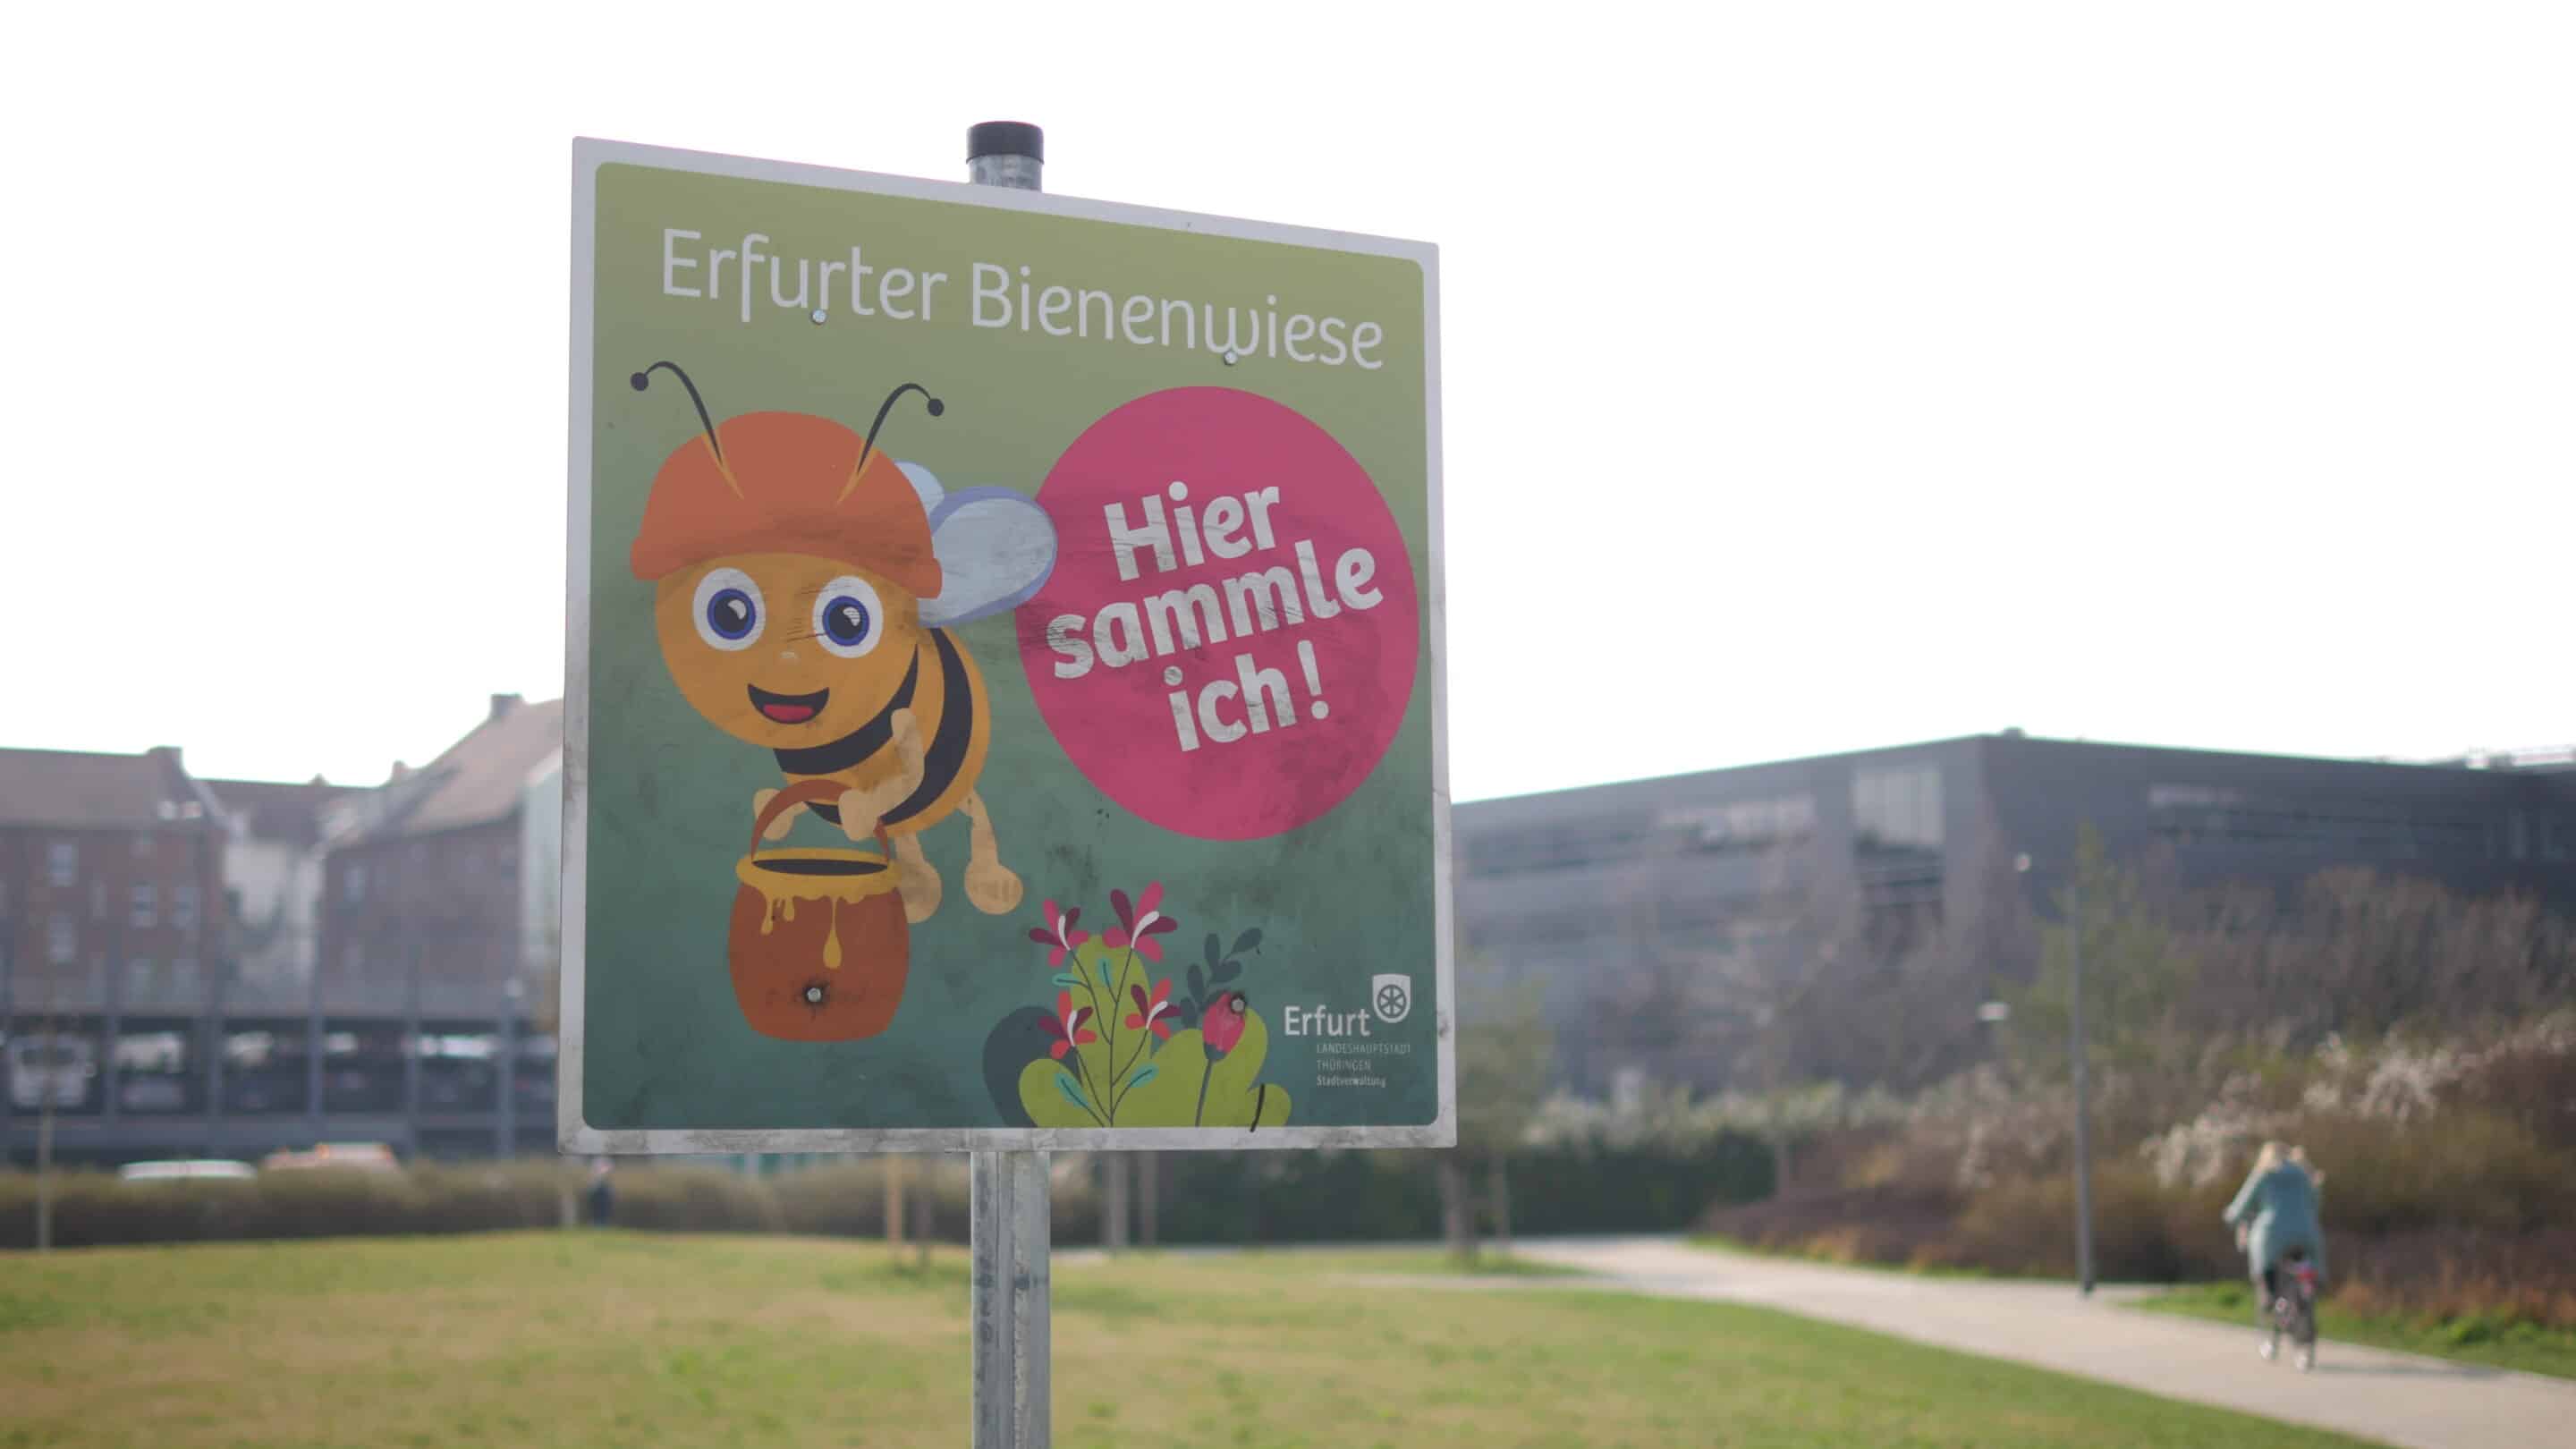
(926,485)
(995,547)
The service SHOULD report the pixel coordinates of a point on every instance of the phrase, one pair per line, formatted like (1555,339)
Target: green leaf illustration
(1235,1091)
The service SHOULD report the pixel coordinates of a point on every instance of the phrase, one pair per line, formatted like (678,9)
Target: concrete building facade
(1667,922)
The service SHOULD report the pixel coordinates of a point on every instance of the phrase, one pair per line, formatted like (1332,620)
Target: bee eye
(848,619)
(728,609)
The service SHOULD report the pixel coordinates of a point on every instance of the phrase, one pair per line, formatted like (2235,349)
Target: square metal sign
(1004,693)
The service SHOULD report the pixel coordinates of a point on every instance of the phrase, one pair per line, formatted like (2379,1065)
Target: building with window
(1670,923)
(112,930)
(234,967)
(424,937)
(427,889)
(273,857)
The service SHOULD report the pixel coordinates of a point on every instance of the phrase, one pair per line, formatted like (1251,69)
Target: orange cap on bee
(786,483)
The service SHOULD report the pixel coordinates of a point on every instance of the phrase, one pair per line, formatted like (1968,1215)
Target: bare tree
(1505,1060)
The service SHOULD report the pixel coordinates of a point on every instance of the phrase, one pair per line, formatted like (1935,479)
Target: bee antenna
(638,381)
(869,446)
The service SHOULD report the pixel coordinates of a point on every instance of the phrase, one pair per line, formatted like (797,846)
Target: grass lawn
(2524,1346)
(624,1339)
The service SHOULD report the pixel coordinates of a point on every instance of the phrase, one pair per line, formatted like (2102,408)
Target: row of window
(165,1072)
(469,861)
(144,975)
(147,906)
(62,859)
(144,903)
(1893,809)
(62,933)
(146,978)
(62,872)
(1744,825)
(2203,814)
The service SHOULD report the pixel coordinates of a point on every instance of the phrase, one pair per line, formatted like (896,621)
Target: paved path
(2395,1398)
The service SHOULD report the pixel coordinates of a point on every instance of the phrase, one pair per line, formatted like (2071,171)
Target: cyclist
(2274,1213)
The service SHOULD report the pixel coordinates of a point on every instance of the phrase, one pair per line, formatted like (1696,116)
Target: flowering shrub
(1123,1048)
(2423,1145)
(1671,1119)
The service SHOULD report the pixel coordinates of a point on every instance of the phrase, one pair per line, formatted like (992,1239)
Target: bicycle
(2294,1311)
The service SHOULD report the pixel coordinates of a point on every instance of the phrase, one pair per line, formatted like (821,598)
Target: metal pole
(1008,1224)
(1149,1199)
(48,1077)
(218,990)
(313,1034)
(111,995)
(1114,1207)
(1008,1215)
(2083,1132)
(892,1163)
(8,1033)
(411,1054)
(506,1109)
(219,956)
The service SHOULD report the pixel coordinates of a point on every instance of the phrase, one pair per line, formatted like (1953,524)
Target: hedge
(1206,1197)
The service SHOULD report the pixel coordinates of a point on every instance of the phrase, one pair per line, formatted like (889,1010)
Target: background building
(380,970)
(111,927)
(233,967)
(1672,923)
(275,840)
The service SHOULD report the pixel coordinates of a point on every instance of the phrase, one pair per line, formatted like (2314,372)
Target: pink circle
(1166,688)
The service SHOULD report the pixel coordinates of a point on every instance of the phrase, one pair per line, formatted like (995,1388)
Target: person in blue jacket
(2275,1212)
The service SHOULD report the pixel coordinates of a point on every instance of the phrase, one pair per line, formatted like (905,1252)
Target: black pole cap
(1005,138)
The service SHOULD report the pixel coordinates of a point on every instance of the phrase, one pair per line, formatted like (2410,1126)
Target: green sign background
(1344,898)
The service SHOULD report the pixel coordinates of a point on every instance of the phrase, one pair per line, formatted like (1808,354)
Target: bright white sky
(2179,373)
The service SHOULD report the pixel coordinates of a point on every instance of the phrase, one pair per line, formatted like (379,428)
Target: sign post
(1010,1218)
(1004,703)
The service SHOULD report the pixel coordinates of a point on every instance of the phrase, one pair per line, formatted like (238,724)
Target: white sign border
(576,1135)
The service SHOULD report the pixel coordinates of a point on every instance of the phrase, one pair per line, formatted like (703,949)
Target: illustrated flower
(1058,934)
(1223,1025)
(1140,922)
(1154,1010)
(1067,1027)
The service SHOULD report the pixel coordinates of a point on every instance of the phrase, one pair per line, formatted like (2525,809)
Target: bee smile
(788,708)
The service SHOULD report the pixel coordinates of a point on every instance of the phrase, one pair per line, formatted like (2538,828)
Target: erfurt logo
(1316,1021)
(1390,1001)
(1391,997)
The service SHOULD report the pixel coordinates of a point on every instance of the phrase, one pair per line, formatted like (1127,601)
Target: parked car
(181,1169)
(366,1156)
(66,1065)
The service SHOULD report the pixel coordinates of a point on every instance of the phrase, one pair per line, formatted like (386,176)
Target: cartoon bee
(805,584)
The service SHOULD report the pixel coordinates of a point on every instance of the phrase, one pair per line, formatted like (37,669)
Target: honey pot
(818,944)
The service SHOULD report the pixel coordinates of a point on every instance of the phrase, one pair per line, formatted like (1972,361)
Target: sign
(1004,693)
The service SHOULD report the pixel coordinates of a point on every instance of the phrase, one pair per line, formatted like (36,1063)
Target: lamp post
(506,1132)
(2075,1066)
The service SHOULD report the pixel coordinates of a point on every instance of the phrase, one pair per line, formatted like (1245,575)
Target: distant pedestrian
(603,1196)
(2274,1214)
